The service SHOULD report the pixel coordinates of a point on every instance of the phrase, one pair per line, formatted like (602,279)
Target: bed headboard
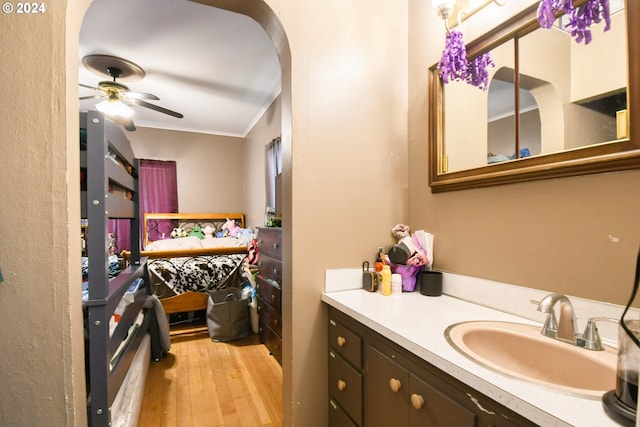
(157,226)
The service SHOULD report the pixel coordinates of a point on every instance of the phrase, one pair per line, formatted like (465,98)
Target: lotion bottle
(396,284)
(386,280)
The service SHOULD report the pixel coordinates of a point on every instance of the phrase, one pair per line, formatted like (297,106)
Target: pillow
(190,242)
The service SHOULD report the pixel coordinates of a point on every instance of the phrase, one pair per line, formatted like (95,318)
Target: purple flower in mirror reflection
(548,8)
(581,19)
(453,64)
(546,13)
(478,75)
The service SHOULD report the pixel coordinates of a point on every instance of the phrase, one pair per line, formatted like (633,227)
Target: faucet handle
(590,337)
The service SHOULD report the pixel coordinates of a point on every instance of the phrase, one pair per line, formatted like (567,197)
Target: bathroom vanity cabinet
(268,284)
(374,382)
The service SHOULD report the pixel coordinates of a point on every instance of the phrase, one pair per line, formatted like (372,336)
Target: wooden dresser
(269,282)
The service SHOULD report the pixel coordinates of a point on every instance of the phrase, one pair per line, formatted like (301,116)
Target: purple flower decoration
(453,64)
(581,19)
(478,75)
(547,10)
(546,13)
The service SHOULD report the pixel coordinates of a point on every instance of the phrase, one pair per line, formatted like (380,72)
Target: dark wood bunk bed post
(98,206)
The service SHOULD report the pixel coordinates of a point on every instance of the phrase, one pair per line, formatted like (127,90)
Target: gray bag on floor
(228,315)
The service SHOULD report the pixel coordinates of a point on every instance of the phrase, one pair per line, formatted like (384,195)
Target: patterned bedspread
(198,273)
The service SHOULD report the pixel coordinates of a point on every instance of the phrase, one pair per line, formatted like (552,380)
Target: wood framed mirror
(572,109)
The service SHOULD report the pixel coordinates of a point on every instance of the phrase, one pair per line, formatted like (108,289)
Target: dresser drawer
(269,292)
(269,242)
(345,386)
(345,342)
(272,341)
(270,316)
(270,268)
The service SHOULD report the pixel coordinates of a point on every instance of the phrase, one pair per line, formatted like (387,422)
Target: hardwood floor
(202,383)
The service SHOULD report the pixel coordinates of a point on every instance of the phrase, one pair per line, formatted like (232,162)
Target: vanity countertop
(418,322)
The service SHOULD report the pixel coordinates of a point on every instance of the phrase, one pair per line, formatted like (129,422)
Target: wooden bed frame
(188,301)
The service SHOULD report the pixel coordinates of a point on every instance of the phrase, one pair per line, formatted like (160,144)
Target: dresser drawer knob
(341,385)
(417,401)
(275,322)
(341,341)
(275,271)
(395,385)
(276,245)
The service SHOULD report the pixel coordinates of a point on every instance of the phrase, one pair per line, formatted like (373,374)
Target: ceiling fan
(117,98)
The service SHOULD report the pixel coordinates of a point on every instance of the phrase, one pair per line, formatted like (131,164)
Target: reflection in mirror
(555,102)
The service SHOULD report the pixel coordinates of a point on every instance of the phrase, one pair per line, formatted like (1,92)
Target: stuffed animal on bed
(178,232)
(231,229)
(197,232)
(208,232)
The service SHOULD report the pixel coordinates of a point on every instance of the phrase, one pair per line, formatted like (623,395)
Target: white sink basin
(520,351)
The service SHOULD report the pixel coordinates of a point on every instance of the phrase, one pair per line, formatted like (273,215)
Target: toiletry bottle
(386,280)
(379,273)
(396,284)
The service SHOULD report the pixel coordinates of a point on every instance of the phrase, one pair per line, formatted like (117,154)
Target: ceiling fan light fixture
(115,108)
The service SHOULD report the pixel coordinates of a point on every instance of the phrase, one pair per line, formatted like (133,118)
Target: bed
(122,317)
(207,252)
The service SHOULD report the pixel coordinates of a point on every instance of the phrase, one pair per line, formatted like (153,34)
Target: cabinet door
(386,391)
(431,408)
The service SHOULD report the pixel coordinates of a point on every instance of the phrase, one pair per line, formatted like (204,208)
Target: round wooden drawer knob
(417,401)
(341,341)
(395,385)
(341,385)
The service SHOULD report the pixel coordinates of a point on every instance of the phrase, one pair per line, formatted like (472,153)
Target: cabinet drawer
(337,417)
(437,408)
(345,386)
(270,316)
(272,341)
(269,292)
(346,343)
(270,268)
(269,242)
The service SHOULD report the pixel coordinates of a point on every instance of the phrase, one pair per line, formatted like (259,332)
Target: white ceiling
(218,68)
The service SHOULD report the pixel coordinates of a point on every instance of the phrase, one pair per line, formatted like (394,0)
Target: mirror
(553,107)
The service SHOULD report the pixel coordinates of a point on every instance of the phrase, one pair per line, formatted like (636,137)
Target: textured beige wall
(576,235)
(210,168)
(42,363)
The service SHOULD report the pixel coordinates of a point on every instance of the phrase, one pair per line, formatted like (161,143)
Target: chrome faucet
(565,328)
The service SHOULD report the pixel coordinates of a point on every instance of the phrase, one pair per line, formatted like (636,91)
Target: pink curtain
(158,193)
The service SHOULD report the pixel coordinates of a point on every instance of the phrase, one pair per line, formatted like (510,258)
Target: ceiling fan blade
(92,97)
(141,95)
(155,107)
(89,87)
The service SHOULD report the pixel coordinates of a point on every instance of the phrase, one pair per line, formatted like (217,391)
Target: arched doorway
(263,15)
